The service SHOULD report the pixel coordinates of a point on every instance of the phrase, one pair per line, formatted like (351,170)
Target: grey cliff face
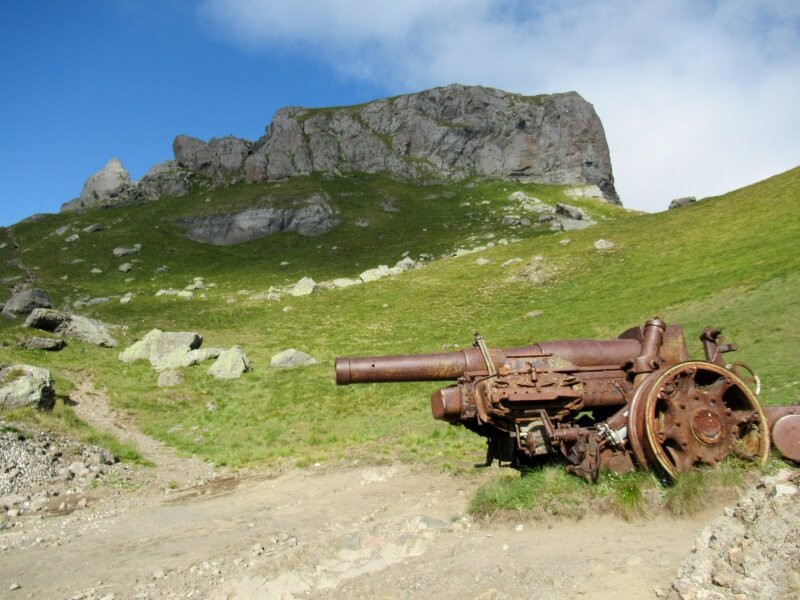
(446,133)
(309,217)
(449,132)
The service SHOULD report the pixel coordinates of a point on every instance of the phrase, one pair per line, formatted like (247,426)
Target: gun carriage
(600,404)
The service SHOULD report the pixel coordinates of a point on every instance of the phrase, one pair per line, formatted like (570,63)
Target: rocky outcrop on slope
(310,217)
(445,133)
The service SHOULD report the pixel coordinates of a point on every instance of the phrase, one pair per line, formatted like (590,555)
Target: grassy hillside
(730,261)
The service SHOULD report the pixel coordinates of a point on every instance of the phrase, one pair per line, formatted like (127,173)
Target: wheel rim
(695,414)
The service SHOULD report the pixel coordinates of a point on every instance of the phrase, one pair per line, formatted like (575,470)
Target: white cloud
(696,97)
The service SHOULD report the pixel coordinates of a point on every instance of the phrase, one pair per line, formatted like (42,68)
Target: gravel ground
(37,467)
(752,552)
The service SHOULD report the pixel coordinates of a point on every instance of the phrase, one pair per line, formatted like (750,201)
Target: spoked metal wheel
(693,414)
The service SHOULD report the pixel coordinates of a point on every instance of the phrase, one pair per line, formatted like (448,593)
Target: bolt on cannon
(599,404)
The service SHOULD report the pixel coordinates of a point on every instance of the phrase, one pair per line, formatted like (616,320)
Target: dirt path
(374,532)
(389,532)
(92,405)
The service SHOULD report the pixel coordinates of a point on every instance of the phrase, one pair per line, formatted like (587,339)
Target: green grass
(551,491)
(730,261)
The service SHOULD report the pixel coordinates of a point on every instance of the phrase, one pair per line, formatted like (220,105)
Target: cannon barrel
(452,365)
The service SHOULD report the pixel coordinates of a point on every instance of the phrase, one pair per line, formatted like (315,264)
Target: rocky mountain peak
(444,133)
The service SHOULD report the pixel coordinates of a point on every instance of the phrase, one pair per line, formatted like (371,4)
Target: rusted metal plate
(786,436)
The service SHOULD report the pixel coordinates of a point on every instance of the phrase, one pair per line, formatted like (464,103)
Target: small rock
(14,587)
(169,378)
(679,202)
(374,274)
(72,238)
(565,241)
(482,261)
(511,261)
(125,267)
(96,271)
(533,313)
(94,227)
(231,364)
(603,245)
(42,343)
(784,489)
(126,298)
(304,287)
(291,358)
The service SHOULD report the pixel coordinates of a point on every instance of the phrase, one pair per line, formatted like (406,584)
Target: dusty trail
(388,532)
(380,532)
(92,405)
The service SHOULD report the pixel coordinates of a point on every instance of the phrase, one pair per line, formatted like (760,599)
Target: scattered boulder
(343,282)
(156,345)
(25,385)
(304,287)
(120,251)
(93,228)
(291,358)
(231,364)
(46,319)
(374,274)
(81,328)
(24,302)
(169,378)
(125,267)
(72,238)
(181,357)
(61,230)
(572,212)
(42,343)
(96,271)
(603,245)
(126,298)
(482,261)
(679,202)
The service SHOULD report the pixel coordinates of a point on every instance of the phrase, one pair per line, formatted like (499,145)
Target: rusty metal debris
(600,404)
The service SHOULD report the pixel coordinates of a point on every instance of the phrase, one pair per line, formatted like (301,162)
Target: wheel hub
(707,427)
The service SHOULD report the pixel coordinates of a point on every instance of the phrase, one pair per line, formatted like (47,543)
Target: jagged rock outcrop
(219,158)
(310,217)
(447,133)
(105,187)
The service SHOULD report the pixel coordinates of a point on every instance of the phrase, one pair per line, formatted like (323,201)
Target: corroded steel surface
(598,404)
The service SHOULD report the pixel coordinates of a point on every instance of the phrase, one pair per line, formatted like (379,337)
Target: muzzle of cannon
(599,404)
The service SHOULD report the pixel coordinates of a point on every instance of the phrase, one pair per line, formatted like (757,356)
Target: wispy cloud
(696,97)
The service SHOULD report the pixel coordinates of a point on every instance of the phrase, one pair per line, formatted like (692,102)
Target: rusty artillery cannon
(600,404)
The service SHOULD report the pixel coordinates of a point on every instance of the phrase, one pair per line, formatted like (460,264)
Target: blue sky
(696,97)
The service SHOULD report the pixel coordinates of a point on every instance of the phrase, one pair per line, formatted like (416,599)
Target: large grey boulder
(291,358)
(310,216)
(25,385)
(106,187)
(181,356)
(231,364)
(80,328)
(156,345)
(23,302)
